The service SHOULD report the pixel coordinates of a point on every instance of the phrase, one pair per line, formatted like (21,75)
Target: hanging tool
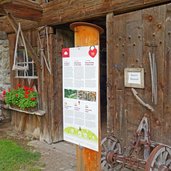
(47,60)
(18,64)
(135,93)
(30,49)
(153,69)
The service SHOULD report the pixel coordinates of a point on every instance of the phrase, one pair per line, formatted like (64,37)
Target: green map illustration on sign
(81,133)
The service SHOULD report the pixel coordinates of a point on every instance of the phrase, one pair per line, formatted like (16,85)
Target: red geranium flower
(26,96)
(4,92)
(26,88)
(33,98)
(16,95)
(27,92)
(19,85)
(31,89)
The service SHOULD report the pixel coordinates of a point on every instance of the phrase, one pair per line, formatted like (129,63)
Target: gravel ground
(57,157)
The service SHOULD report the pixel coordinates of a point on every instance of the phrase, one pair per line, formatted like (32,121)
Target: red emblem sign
(93,51)
(65,53)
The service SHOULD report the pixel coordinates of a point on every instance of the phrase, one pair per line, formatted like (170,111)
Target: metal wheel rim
(109,144)
(159,159)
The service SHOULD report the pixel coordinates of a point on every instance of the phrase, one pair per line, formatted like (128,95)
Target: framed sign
(81,96)
(134,77)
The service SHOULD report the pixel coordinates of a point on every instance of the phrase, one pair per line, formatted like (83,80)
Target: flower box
(23,98)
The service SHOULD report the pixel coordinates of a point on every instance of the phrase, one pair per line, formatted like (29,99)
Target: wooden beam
(60,11)
(2,12)
(4,25)
(70,10)
(25,24)
(4,1)
(24,9)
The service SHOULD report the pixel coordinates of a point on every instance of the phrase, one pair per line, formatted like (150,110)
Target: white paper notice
(134,77)
(80,95)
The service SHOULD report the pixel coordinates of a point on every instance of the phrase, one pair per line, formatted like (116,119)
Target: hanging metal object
(20,53)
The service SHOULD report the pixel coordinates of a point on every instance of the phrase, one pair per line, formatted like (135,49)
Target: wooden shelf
(38,112)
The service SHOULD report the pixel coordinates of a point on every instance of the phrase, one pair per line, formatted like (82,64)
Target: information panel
(80,95)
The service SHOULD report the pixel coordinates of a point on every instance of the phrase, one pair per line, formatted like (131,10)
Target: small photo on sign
(71,94)
(134,77)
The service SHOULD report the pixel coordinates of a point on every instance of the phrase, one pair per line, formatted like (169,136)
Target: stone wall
(4,65)
(4,61)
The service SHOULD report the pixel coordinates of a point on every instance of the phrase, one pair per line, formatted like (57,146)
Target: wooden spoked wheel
(109,144)
(159,159)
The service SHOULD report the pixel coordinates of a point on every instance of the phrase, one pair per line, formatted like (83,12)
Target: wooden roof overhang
(27,12)
(56,12)
(23,9)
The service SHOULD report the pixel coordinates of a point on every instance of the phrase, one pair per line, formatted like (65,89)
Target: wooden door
(131,37)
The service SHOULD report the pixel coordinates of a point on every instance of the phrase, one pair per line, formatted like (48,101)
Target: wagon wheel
(159,159)
(109,144)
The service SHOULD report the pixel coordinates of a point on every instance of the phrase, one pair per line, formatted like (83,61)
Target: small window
(31,73)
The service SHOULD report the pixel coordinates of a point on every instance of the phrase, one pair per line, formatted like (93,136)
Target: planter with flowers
(24,98)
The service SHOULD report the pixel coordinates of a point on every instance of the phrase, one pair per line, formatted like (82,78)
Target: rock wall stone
(4,61)
(4,66)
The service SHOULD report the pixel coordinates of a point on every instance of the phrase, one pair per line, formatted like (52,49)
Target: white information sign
(80,95)
(134,77)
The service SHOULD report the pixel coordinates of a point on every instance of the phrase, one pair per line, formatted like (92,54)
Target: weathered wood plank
(25,25)
(133,48)
(110,83)
(45,84)
(11,39)
(69,11)
(167,77)
(118,63)
(151,2)
(63,38)
(5,1)
(2,12)
(24,9)
(153,19)
(126,52)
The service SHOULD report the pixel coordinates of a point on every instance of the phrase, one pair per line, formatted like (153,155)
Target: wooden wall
(48,127)
(129,40)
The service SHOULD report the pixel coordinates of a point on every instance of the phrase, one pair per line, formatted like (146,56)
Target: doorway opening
(67,39)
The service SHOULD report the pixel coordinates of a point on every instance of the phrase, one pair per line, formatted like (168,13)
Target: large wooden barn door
(131,38)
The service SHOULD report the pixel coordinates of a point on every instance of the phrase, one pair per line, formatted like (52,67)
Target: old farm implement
(154,156)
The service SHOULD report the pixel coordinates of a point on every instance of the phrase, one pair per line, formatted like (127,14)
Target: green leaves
(22,97)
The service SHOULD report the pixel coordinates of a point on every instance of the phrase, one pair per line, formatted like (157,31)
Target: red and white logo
(65,53)
(93,51)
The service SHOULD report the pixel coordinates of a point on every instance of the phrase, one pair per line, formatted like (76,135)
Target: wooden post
(87,34)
